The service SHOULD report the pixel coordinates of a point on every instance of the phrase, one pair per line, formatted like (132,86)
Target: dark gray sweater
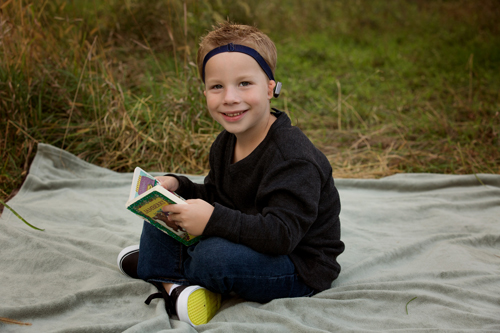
(281,199)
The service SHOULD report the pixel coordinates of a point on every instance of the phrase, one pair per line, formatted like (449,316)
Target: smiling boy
(239,102)
(268,209)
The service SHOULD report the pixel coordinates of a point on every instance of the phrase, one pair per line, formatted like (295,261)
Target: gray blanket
(422,254)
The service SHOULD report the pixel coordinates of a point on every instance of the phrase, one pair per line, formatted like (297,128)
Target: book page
(143,181)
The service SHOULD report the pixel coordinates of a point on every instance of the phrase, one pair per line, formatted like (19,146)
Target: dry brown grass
(117,93)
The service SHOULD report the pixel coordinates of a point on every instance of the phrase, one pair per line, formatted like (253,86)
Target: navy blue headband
(242,49)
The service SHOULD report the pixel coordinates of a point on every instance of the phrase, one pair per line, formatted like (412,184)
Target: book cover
(146,199)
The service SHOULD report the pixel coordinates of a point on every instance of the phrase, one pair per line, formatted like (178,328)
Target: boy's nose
(231,96)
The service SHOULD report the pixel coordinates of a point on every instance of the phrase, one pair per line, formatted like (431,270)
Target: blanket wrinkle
(430,238)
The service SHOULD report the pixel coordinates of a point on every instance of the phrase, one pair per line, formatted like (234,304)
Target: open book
(146,199)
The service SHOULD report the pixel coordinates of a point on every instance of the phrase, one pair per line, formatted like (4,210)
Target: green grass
(417,95)
(380,87)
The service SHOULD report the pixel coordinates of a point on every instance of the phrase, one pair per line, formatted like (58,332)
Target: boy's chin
(231,129)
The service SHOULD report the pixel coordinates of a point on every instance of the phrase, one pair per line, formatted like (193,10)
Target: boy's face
(238,93)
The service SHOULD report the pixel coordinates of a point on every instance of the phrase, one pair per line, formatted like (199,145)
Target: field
(381,87)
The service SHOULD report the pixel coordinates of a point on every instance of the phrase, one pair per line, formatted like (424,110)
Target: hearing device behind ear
(277,90)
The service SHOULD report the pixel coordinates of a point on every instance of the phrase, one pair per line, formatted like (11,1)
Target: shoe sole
(201,305)
(124,253)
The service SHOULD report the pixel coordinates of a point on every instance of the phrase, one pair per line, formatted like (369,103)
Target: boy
(268,209)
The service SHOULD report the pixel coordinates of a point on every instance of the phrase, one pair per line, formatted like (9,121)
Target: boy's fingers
(170,208)
(193,201)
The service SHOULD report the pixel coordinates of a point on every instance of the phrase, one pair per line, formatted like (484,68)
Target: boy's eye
(244,83)
(217,86)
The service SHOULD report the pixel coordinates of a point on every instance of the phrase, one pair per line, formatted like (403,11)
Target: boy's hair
(246,35)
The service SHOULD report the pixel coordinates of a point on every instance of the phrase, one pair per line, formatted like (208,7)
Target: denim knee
(213,257)
(223,267)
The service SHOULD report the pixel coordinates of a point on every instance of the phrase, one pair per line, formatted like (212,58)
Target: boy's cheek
(213,114)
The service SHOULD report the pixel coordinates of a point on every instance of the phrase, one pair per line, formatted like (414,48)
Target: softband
(242,49)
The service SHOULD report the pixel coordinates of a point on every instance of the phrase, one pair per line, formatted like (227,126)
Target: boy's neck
(246,144)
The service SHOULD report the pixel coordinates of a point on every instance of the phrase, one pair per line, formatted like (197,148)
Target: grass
(381,87)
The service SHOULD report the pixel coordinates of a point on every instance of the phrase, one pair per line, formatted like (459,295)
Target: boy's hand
(168,182)
(192,217)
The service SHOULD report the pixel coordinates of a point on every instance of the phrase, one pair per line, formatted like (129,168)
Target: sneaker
(195,305)
(127,261)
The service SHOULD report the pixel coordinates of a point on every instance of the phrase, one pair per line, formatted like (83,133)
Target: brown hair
(227,32)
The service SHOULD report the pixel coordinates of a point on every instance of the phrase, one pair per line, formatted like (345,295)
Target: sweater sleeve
(287,203)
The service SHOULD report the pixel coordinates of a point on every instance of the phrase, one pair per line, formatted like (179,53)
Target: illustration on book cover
(151,207)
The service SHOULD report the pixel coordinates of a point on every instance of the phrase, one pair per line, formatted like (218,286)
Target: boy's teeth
(233,114)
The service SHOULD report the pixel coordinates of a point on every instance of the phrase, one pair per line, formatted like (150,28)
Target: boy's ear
(270,89)
(205,92)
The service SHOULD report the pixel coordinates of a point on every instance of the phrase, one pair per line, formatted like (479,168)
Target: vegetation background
(380,86)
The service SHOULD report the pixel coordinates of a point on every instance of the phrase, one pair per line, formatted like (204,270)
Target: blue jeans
(218,265)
